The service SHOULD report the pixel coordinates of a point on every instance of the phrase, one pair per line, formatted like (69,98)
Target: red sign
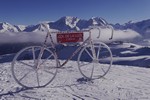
(69,37)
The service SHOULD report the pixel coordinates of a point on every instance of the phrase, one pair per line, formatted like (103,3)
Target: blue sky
(34,11)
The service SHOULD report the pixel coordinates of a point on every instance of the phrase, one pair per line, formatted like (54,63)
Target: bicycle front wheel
(94,61)
(34,67)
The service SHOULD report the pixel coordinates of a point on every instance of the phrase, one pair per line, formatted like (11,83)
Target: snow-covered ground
(121,83)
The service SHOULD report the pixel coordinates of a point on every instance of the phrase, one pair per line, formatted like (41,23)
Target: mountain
(63,24)
(36,28)
(20,27)
(6,27)
(30,28)
(142,27)
(94,21)
(73,23)
(97,21)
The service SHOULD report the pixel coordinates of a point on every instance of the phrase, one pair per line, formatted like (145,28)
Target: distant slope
(123,54)
(142,27)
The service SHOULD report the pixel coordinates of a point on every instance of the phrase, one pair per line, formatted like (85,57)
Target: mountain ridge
(73,23)
(142,27)
(63,24)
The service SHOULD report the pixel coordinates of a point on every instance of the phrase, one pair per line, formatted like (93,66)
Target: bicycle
(36,66)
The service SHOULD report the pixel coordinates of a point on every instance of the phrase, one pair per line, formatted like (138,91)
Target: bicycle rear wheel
(94,61)
(34,67)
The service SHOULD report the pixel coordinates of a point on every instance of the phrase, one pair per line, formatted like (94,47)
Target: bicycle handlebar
(91,28)
(99,29)
(95,27)
(112,31)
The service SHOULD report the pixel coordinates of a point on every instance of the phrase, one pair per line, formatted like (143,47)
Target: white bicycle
(36,66)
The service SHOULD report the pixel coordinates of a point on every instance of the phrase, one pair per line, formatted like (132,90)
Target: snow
(144,42)
(98,21)
(41,28)
(126,45)
(121,83)
(133,58)
(21,27)
(6,27)
(127,52)
(71,21)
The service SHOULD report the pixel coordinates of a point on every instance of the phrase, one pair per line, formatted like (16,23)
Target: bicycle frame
(88,40)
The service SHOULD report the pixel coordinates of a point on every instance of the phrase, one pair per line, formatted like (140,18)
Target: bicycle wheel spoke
(88,53)
(92,71)
(98,51)
(37,77)
(49,72)
(103,70)
(33,52)
(46,59)
(25,64)
(24,75)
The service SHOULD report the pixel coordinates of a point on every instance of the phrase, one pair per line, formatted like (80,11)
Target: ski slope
(121,83)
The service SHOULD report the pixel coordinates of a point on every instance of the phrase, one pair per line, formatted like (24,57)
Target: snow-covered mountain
(62,24)
(97,21)
(65,23)
(6,27)
(20,27)
(35,28)
(73,23)
(142,27)
(30,28)
(94,21)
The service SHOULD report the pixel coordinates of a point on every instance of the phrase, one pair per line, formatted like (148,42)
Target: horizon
(48,21)
(30,12)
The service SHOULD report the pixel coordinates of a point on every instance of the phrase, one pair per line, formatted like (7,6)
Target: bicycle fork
(94,59)
(37,62)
